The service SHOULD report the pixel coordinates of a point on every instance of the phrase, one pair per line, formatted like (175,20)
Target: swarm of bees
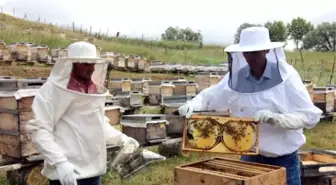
(238,136)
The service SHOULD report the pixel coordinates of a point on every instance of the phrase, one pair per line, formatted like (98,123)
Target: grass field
(18,30)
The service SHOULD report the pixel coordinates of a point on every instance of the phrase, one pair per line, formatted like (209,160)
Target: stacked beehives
(15,111)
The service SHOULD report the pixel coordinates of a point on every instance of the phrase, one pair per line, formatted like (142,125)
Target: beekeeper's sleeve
(212,98)
(113,136)
(48,106)
(300,101)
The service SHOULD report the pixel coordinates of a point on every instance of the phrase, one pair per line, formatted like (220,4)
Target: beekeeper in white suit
(69,129)
(262,85)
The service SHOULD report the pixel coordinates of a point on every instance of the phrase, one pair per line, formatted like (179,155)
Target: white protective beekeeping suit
(70,129)
(283,110)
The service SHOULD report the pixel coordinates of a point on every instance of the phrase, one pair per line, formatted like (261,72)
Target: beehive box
(3,47)
(30,83)
(172,103)
(333,86)
(317,162)
(154,92)
(8,83)
(120,85)
(137,84)
(20,52)
(180,87)
(145,128)
(323,98)
(157,68)
(40,53)
(130,99)
(130,61)
(121,62)
(145,86)
(167,88)
(219,171)
(114,114)
(202,80)
(14,115)
(141,63)
(214,79)
(59,53)
(220,134)
(109,56)
(191,88)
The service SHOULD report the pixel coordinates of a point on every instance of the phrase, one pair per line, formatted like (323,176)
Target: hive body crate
(121,62)
(141,63)
(180,87)
(316,163)
(21,52)
(8,83)
(40,53)
(167,89)
(309,87)
(114,114)
(323,98)
(14,115)
(137,85)
(204,132)
(202,80)
(130,61)
(191,88)
(318,167)
(145,128)
(154,92)
(220,171)
(130,99)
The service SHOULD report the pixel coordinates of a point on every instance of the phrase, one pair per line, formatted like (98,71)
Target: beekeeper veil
(253,40)
(82,71)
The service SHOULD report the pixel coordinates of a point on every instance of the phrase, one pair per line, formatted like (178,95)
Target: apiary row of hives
(23,52)
(125,62)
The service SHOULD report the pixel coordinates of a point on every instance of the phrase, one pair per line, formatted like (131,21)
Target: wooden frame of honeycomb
(219,134)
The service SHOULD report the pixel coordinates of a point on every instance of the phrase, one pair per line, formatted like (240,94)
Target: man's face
(255,58)
(83,70)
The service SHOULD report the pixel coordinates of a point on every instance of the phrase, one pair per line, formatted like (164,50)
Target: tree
(240,28)
(278,31)
(323,38)
(298,28)
(181,34)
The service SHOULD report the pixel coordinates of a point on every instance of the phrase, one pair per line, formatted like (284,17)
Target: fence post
(332,71)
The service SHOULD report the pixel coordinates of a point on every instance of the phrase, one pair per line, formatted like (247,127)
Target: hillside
(316,67)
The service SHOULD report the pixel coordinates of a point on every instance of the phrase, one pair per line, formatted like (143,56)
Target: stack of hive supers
(15,111)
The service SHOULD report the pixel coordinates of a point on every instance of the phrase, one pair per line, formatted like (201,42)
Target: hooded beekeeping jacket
(69,125)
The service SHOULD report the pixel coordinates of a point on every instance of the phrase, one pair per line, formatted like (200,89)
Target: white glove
(285,121)
(67,173)
(130,141)
(186,110)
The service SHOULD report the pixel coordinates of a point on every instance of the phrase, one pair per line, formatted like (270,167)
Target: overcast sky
(217,19)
